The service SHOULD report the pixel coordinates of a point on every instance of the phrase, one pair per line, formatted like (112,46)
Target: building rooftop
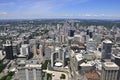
(107,41)
(24,45)
(92,76)
(89,63)
(79,57)
(110,64)
(33,65)
(22,62)
(7,44)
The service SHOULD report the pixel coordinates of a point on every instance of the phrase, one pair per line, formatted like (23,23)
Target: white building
(24,50)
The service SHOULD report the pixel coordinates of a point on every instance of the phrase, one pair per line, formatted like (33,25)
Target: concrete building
(97,37)
(91,45)
(53,58)
(116,57)
(117,38)
(25,50)
(2,55)
(58,57)
(61,38)
(40,51)
(30,70)
(15,49)
(117,61)
(47,52)
(109,71)
(34,48)
(76,58)
(106,50)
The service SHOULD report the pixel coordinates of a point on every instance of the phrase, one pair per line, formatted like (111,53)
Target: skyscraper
(109,71)
(8,49)
(106,50)
(53,58)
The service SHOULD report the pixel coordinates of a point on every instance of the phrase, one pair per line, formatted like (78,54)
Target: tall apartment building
(109,71)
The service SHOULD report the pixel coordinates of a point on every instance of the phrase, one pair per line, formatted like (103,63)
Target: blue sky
(88,9)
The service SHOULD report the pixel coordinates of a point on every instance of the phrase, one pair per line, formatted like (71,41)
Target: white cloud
(3,13)
(94,15)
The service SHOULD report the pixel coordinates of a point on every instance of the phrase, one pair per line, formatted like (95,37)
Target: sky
(83,9)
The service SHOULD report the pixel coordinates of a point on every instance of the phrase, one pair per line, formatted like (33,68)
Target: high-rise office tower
(15,49)
(8,49)
(71,33)
(62,55)
(53,58)
(87,32)
(109,71)
(62,38)
(106,50)
(91,34)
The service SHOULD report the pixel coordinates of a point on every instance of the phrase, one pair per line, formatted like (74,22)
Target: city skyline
(85,9)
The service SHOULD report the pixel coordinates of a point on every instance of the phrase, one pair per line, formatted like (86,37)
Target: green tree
(8,78)
(44,65)
(62,76)
(49,76)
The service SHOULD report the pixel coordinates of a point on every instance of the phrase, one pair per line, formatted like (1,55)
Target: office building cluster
(39,50)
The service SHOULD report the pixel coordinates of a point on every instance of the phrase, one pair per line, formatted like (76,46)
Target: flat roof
(79,57)
(21,55)
(93,76)
(107,41)
(110,64)
(89,63)
(33,65)
(58,64)
(77,35)
(7,44)
(24,45)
